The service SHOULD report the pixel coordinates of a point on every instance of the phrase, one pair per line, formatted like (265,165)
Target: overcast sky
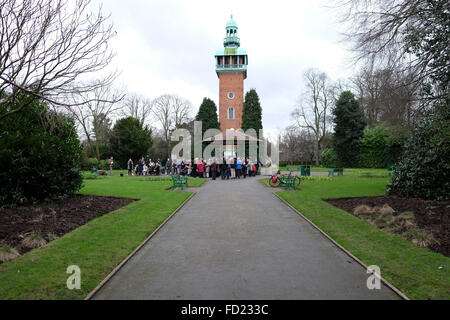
(169,46)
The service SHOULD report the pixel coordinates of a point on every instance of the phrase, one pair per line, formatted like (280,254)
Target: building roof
(231,23)
(239,51)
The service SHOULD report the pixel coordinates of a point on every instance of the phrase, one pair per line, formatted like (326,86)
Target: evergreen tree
(207,113)
(349,127)
(130,139)
(252,113)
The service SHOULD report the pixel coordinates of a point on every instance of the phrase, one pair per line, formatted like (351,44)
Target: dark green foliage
(381,146)
(130,139)
(40,156)
(349,126)
(252,112)
(329,158)
(424,168)
(207,113)
(397,136)
(372,147)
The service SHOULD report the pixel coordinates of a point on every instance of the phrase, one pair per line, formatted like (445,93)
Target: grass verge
(418,272)
(96,247)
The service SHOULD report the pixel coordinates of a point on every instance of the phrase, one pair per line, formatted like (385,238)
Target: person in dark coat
(213,169)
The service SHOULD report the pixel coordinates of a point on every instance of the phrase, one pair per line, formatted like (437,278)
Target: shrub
(329,158)
(103,165)
(40,156)
(7,253)
(93,162)
(424,168)
(34,240)
(372,147)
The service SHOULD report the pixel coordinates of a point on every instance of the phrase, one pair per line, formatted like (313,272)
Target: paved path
(237,240)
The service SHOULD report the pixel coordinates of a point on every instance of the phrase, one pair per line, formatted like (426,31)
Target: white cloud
(168,47)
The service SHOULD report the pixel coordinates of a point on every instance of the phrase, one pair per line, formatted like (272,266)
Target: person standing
(168,166)
(140,167)
(200,168)
(223,169)
(245,167)
(213,170)
(111,165)
(238,168)
(130,167)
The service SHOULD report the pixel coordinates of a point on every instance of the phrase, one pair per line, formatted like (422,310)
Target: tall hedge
(423,171)
(373,147)
(40,156)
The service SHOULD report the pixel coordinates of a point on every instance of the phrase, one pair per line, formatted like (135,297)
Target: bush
(424,168)
(329,158)
(372,147)
(40,156)
(103,165)
(93,162)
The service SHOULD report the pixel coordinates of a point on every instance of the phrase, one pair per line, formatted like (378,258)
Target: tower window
(230,95)
(231,113)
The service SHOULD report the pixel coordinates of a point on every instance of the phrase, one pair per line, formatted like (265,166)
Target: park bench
(305,170)
(289,183)
(339,171)
(293,168)
(179,182)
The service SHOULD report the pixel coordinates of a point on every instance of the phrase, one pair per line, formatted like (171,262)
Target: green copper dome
(231,23)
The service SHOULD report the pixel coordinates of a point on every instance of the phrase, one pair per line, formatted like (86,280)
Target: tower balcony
(234,41)
(225,67)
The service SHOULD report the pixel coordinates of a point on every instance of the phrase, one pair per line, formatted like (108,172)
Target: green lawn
(98,246)
(418,272)
(322,169)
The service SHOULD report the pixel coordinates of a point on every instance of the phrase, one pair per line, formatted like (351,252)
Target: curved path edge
(387,283)
(124,261)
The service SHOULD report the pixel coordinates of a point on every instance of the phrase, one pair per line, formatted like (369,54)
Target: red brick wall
(231,82)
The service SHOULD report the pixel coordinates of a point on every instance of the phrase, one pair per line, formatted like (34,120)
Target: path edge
(387,283)
(124,261)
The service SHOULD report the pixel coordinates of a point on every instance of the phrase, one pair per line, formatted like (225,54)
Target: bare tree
(313,107)
(296,146)
(137,106)
(386,95)
(412,34)
(92,109)
(171,111)
(46,46)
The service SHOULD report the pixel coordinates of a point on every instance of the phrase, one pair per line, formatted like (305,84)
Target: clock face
(230,95)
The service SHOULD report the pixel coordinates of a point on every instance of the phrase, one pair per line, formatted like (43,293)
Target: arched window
(231,113)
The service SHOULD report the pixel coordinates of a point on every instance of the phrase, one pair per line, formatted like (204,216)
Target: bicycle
(279,179)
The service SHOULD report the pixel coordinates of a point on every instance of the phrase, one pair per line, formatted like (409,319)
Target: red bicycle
(279,179)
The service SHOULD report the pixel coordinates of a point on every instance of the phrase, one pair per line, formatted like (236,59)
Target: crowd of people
(225,168)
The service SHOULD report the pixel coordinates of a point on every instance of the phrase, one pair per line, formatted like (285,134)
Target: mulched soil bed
(58,218)
(431,216)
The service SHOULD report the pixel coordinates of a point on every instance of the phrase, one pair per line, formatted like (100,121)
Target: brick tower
(231,68)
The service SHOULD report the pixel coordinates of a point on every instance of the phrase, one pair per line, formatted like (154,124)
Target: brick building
(231,68)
